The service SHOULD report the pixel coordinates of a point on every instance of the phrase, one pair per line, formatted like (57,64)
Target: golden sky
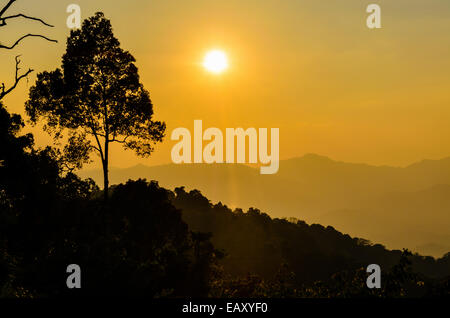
(311,68)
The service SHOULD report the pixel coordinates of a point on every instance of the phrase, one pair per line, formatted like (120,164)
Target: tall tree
(97,93)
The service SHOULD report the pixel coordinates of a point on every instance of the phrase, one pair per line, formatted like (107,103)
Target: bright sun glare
(215,61)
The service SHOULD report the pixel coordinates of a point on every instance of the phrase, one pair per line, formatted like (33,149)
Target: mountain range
(399,207)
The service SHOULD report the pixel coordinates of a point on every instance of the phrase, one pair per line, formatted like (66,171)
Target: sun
(215,61)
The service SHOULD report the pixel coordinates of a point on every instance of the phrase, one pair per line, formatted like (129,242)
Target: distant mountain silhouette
(398,207)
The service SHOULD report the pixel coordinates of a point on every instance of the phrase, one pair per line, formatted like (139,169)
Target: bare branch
(3,90)
(20,15)
(6,7)
(26,36)
(3,20)
(95,148)
(17,79)
(119,141)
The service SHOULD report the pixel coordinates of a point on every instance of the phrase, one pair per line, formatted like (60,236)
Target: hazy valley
(398,207)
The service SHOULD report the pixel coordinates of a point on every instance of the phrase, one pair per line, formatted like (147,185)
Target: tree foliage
(267,257)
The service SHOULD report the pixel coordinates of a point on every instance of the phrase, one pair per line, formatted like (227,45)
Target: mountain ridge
(315,188)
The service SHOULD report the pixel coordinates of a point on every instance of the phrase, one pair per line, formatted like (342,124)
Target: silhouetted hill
(410,204)
(256,243)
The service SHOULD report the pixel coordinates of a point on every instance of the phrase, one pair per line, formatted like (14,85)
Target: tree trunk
(106,156)
(105,173)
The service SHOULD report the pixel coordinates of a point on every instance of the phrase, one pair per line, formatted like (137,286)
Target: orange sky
(311,68)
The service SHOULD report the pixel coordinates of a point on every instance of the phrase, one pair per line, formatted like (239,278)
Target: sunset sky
(311,68)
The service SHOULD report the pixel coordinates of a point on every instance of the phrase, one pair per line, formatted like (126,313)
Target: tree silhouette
(3,22)
(97,93)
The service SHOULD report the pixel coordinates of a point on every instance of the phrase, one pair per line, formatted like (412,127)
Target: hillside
(255,243)
(317,189)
